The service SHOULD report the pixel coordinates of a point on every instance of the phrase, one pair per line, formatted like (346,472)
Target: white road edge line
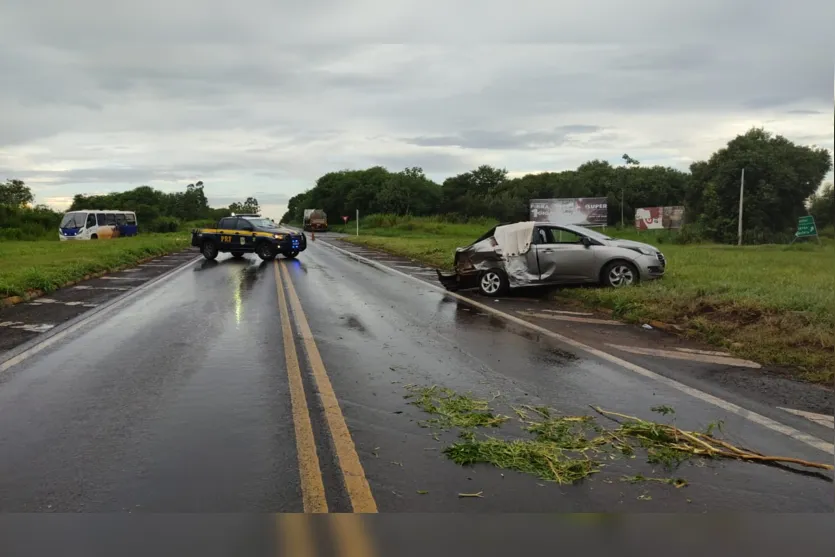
(47,342)
(689,356)
(764,421)
(563,312)
(571,318)
(821,419)
(704,352)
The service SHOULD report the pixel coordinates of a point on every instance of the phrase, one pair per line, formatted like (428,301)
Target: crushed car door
(562,257)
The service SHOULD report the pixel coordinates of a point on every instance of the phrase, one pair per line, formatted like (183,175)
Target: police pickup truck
(240,234)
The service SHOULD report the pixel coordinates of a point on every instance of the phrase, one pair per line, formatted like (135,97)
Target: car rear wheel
(265,251)
(493,282)
(237,254)
(620,273)
(209,250)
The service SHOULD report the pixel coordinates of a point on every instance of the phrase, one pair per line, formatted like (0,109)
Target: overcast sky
(259,99)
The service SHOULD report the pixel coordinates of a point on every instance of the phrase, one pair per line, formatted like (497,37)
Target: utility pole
(741,194)
(358,222)
(621,208)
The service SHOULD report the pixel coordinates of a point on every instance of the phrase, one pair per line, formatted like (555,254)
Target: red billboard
(658,218)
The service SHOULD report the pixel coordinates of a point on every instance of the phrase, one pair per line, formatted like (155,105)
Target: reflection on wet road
(241,385)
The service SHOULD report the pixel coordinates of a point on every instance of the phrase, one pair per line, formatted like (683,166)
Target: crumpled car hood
(629,244)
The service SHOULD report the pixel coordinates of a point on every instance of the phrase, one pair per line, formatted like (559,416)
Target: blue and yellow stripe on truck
(284,242)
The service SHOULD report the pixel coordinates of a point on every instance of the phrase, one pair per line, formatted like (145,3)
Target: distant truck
(315,220)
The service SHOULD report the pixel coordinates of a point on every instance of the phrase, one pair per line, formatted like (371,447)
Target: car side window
(120,219)
(543,235)
(561,236)
(244,224)
(111,219)
(100,219)
(91,220)
(227,223)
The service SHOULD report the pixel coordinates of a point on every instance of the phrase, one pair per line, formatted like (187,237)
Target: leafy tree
(822,206)
(15,193)
(779,177)
(629,161)
(250,206)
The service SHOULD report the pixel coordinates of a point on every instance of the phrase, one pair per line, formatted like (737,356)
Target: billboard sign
(582,211)
(658,218)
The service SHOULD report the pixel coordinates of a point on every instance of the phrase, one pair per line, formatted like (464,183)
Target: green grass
(774,304)
(48,265)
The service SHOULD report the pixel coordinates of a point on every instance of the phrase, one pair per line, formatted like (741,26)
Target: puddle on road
(552,356)
(351,322)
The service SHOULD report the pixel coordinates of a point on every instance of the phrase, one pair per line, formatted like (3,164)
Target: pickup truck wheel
(265,251)
(209,250)
(237,254)
(493,282)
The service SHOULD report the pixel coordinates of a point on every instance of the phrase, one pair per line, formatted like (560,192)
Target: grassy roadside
(48,265)
(773,304)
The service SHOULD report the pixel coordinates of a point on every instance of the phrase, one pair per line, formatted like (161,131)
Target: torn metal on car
(529,253)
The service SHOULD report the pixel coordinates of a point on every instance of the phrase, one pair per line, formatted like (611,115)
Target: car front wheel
(265,251)
(209,250)
(493,283)
(620,273)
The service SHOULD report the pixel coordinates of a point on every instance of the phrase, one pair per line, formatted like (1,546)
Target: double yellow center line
(313,490)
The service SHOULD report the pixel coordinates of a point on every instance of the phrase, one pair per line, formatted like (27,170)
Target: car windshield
(73,220)
(587,232)
(263,223)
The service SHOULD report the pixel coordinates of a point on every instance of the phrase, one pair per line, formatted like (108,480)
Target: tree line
(781,179)
(156,211)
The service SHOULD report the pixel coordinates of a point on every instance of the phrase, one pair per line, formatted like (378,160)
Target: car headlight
(278,236)
(644,251)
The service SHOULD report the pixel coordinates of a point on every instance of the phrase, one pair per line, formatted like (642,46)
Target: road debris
(675,482)
(663,440)
(480,494)
(453,409)
(568,449)
(421,492)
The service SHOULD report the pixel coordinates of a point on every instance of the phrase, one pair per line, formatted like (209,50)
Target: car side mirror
(586,241)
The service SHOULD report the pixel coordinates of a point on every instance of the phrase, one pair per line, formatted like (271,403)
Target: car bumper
(458,281)
(651,267)
(292,243)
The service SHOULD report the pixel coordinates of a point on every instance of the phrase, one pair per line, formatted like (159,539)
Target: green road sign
(806,227)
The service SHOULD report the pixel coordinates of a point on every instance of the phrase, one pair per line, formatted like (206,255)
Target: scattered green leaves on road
(568,449)
(453,409)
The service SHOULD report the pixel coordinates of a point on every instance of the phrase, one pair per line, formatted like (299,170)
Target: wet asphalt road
(180,402)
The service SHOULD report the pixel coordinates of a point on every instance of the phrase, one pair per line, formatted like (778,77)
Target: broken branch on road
(568,449)
(653,435)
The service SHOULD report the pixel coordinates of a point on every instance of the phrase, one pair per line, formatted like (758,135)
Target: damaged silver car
(537,254)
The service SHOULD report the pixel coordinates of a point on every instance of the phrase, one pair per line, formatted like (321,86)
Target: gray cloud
(264,198)
(482,139)
(259,95)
